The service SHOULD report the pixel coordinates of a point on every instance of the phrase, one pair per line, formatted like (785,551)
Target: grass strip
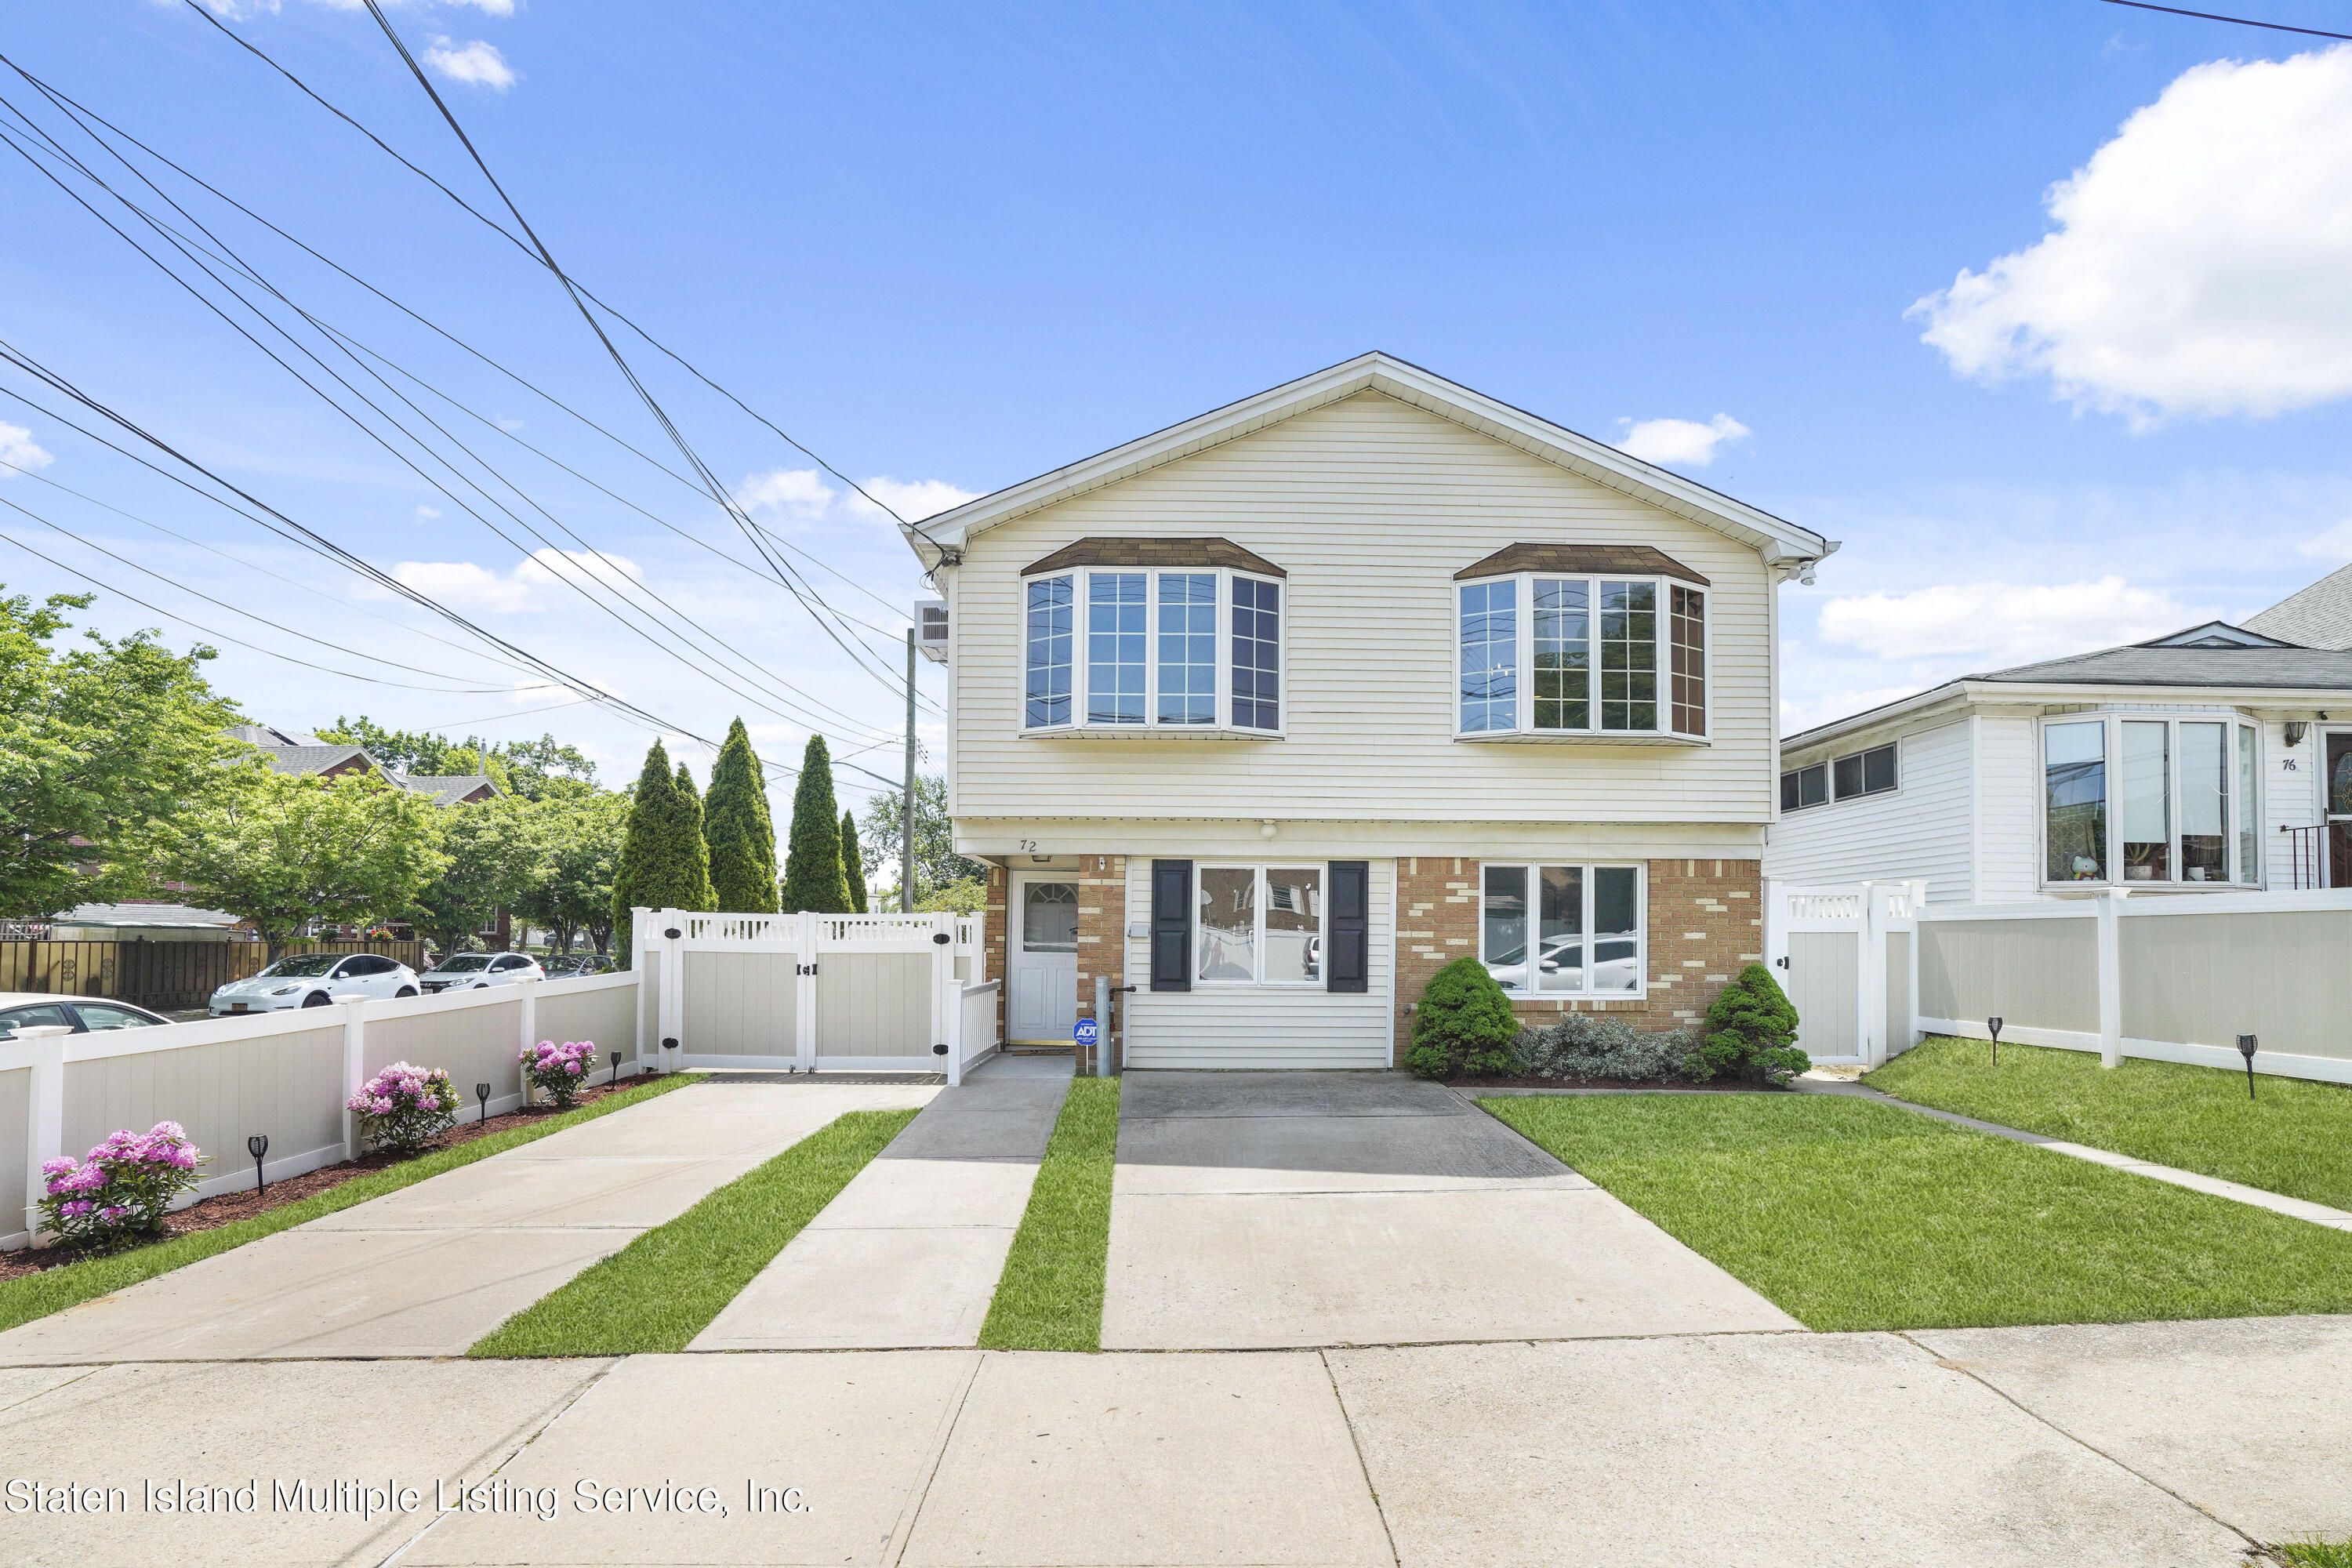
(2294,1137)
(2317,1553)
(664,1288)
(1849,1214)
(1050,1297)
(38,1295)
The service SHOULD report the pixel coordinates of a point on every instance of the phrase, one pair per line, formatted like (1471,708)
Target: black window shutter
(1171,925)
(1350,926)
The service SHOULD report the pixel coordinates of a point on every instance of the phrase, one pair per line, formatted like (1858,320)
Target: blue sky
(951,245)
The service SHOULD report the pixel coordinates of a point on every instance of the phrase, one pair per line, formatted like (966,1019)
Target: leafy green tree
(284,849)
(570,889)
(936,865)
(536,769)
(853,869)
(1751,1030)
(1464,1024)
(967,897)
(813,879)
(97,744)
(663,862)
(741,835)
(490,853)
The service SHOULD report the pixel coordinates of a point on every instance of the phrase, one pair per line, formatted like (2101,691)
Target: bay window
(1541,655)
(2183,805)
(1562,931)
(1139,650)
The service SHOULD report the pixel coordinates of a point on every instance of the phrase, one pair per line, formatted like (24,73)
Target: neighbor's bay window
(2182,806)
(1562,931)
(1540,655)
(1108,649)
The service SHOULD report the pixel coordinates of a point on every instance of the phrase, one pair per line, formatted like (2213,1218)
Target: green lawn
(664,1288)
(2318,1553)
(1850,1215)
(2294,1137)
(1050,1297)
(32,1296)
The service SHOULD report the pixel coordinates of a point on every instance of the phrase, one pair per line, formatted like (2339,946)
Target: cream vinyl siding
(1371,505)
(2292,796)
(1261,1026)
(1919,829)
(2009,808)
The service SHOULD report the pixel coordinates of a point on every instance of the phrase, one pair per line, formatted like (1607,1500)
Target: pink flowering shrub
(404,1107)
(122,1190)
(562,1071)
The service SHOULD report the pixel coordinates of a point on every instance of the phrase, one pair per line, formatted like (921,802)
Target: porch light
(2246,1049)
(258,1145)
(1992,1027)
(2293,730)
(482,1095)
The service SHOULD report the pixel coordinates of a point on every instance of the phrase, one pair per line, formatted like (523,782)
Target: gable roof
(313,759)
(2316,616)
(446,789)
(2216,634)
(1780,541)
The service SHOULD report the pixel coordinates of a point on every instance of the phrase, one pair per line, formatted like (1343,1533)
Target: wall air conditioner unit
(931,629)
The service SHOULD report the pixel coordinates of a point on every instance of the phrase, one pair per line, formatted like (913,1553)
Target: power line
(2239,21)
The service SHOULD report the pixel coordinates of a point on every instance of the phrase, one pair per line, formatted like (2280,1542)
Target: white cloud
(477,64)
(797,491)
(2003,623)
(537,582)
(1686,442)
(913,499)
(2201,261)
(426,513)
(17,445)
(2335,544)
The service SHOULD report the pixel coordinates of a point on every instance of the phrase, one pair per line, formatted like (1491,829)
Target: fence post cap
(348,997)
(42,1031)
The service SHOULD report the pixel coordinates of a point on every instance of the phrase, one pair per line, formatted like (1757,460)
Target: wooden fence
(164,975)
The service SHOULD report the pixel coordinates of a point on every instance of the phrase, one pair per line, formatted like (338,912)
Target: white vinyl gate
(812,993)
(1821,943)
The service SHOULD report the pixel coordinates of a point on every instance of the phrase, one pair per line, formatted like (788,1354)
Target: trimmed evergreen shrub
(1582,1045)
(813,873)
(1750,1030)
(1464,1024)
(692,865)
(853,864)
(740,833)
(663,863)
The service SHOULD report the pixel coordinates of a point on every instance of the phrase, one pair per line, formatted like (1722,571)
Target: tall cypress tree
(650,810)
(691,868)
(853,864)
(740,833)
(812,875)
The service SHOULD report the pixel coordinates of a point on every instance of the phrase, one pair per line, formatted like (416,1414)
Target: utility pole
(906,800)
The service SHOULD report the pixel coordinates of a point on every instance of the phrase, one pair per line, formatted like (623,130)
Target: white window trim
(2113,718)
(1524,725)
(1223,726)
(1259,906)
(1828,764)
(1534,869)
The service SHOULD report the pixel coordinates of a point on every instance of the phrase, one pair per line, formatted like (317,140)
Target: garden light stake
(2246,1049)
(258,1145)
(1993,1026)
(482,1093)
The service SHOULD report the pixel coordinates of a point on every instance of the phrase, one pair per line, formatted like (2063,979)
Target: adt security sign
(1084,1033)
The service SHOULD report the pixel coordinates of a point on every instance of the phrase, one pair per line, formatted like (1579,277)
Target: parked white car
(472,970)
(82,1015)
(313,980)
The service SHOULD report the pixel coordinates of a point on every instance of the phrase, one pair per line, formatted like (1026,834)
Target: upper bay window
(1154,635)
(1567,640)
(2140,798)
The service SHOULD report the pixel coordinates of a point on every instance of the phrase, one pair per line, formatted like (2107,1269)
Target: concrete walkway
(1263,1210)
(909,1254)
(2177,1445)
(2237,1191)
(430,1268)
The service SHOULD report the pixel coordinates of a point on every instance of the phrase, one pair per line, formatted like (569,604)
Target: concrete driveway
(1267,1210)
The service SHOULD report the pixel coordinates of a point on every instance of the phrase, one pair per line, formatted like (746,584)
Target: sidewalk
(429,1269)
(2117,1446)
(909,1254)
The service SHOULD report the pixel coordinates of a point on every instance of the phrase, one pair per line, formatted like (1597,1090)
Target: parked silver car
(472,970)
(82,1015)
(313,980)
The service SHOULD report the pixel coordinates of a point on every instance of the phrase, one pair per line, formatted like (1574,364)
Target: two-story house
(1273,713)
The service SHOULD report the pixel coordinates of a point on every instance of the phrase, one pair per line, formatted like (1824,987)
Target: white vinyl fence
(2169,977)
(814,993)
(284,1076)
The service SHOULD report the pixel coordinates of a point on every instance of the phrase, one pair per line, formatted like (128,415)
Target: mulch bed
(1473,1085)
(227,1208)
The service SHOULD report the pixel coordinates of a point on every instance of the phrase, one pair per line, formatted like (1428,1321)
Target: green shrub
(1464,1024)
(1749,1029)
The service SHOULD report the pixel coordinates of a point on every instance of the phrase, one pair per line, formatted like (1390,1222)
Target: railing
(2307,851)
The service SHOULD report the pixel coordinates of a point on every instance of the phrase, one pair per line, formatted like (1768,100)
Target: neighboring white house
(2215,758)
(1271,714)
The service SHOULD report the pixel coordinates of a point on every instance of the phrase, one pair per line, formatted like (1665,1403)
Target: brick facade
(1102,942)
(1705,920)
(992,942)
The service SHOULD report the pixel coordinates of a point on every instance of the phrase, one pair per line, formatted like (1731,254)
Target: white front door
(1042,960)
